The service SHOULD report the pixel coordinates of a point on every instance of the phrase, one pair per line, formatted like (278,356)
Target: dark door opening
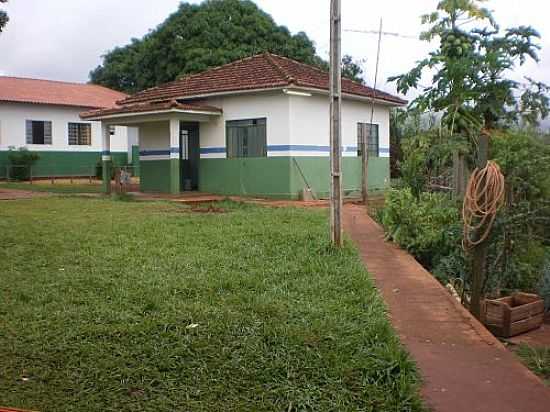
(189,156)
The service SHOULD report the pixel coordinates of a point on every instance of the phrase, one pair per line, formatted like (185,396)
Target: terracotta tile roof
(22,90)
(151,107)
(263,71)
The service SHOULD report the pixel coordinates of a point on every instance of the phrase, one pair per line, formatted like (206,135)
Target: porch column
(106,159)
(175,174)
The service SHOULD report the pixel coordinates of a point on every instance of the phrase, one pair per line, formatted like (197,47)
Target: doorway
(189,156)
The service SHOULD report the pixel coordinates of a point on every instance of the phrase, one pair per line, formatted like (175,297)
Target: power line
(384,33)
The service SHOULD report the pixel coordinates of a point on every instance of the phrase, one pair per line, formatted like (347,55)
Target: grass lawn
(137,306)
(536,359)
(46,186)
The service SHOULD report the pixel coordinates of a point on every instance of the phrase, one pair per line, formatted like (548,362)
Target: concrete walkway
(464,368)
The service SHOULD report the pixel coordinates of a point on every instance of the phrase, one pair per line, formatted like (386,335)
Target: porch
(169,143)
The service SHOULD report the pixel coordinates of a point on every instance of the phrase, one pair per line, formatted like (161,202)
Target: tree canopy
(3,17)
(470,85)
(198,37)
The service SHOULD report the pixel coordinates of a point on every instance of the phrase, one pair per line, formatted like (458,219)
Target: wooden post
(479,252)
(365,159)
(335,123)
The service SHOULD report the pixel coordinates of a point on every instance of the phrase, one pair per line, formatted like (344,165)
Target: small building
(43,116)
(258,126)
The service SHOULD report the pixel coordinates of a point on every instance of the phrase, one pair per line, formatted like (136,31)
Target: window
(80,134)
(112,130)
(370,131)
(246,138)
(38,132)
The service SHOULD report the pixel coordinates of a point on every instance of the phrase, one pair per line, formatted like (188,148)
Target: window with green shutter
(370,132)
(38,132)
(246,138)
(80,134)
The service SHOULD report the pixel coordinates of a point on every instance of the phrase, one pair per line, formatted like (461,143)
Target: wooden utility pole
(365,142)
(479,252)
(336,123)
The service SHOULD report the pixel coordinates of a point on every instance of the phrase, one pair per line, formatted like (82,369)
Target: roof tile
(263,71)
(23,90)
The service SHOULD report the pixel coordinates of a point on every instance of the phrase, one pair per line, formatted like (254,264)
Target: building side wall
(59,158)
(298,147)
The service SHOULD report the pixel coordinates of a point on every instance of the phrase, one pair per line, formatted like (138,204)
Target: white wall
(272,105)
(309,123)
(155,137)
(12,128)
(293,121)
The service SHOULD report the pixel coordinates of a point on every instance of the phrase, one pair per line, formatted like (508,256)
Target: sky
(65,39)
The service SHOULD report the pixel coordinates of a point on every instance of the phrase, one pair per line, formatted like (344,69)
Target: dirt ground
(12,194)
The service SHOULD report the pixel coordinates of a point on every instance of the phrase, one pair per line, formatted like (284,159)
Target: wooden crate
(513,315)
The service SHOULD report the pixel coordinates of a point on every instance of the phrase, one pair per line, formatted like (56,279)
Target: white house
(258,126)
(43,116)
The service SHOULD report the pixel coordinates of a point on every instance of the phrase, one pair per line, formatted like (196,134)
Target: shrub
(544,284)
(429,226)
(21,161)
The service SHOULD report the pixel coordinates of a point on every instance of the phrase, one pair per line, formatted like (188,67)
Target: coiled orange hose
(484,197)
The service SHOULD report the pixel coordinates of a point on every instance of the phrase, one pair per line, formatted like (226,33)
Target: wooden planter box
(513,315)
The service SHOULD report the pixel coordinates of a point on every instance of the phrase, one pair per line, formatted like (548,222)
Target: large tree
(197,37)
(3,17)
(470,85)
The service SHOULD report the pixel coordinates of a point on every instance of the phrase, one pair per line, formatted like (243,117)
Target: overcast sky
(64,39)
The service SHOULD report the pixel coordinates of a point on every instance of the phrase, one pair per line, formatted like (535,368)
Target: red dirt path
(13,194)
(463,366)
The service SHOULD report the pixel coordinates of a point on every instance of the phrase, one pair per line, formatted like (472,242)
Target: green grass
(43,186)
(137,306)
(536,359)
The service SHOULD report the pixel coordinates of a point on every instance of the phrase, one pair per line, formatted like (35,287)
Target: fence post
(30,175)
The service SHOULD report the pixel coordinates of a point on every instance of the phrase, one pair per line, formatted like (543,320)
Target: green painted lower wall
(316,171)
(155,176)
(281,177)
(248,176)
(59,163)
(135,159)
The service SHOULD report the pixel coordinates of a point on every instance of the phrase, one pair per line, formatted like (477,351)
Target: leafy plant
(20,162)
(536,359)
(544,284)
(470,86)
(427,226)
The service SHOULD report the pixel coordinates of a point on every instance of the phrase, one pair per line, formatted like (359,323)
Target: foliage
(429,154)
(543,288)
(3,17)
(522,229)
(536,359)
(521,233)
(470,86)
(525,163)
(21,161)
(352,69)
(201,36)
(427,226)
(155,308)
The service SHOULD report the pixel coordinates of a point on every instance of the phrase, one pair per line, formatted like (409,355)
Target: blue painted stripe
(154,152)
(106,153)
(297,148)
(208,150)
(272,148)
